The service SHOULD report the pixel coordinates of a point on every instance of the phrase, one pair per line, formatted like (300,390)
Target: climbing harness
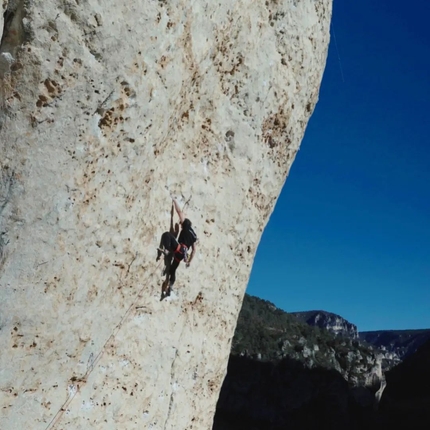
(182,250)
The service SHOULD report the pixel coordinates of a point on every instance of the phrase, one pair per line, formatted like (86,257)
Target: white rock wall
(107,108)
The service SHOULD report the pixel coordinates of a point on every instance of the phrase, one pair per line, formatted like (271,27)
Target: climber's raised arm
(178,210)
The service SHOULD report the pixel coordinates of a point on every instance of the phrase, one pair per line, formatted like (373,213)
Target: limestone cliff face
(108,108)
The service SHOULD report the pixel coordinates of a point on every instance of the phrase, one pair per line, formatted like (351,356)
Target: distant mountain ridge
(328,321)
(309,370)
(401,342)
(270,334)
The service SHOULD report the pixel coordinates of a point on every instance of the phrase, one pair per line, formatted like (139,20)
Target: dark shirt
(187,236)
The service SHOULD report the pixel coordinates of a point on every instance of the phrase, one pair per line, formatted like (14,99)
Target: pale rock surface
(108,108)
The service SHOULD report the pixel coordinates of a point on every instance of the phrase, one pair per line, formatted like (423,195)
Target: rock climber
(176,250)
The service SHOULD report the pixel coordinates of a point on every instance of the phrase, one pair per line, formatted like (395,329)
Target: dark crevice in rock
(13,34)
(7,19)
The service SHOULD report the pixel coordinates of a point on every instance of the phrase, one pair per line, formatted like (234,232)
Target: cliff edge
(106,109)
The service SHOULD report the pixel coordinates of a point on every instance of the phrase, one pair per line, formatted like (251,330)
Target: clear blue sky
(350,233)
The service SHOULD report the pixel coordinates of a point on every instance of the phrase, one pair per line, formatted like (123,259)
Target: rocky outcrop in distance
(106,110)
(328,321)
(267,333)
(275,389)
(398,342)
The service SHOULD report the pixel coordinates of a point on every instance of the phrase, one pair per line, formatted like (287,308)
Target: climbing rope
(94,362)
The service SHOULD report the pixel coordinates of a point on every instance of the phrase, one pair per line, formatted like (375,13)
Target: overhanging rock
(107,109)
